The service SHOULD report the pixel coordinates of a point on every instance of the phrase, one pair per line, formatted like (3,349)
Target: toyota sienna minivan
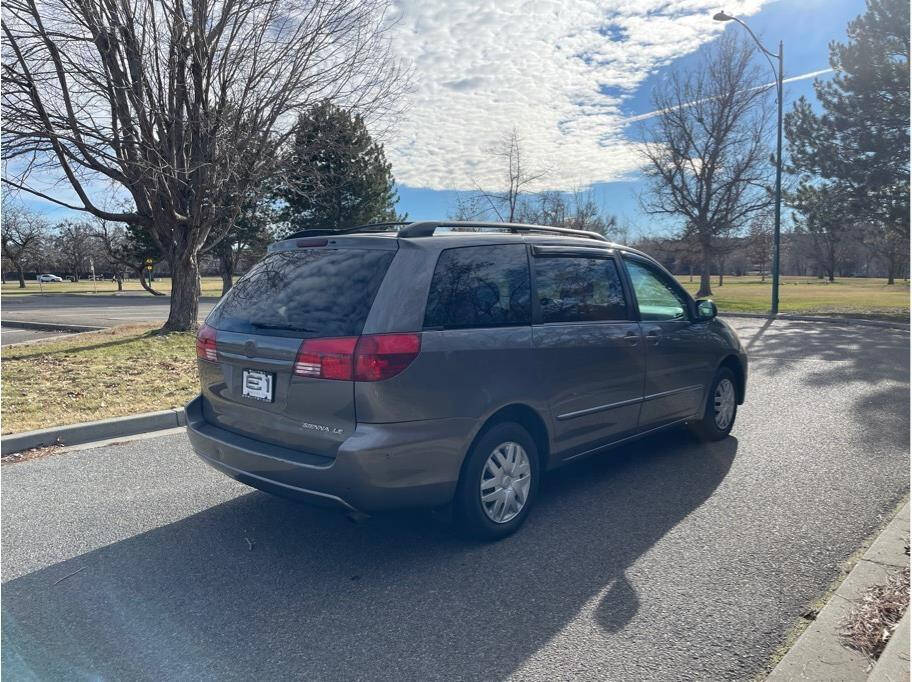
(437,363)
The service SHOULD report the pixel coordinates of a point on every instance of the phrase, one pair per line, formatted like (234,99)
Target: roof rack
(427,229)
(323,232)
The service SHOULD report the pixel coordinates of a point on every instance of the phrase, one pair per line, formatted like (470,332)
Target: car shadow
(259,587)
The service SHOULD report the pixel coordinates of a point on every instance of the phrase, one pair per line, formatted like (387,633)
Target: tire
(723,390)
(512,452)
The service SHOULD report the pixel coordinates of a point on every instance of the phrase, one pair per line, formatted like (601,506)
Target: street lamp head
(722,16)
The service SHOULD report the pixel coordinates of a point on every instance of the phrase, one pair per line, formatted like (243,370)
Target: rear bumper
(380,466)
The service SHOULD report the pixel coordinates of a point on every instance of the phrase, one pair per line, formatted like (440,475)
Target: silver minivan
(437,363)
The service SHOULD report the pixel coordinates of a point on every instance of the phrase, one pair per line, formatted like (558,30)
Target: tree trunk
(184,294)
(141,274)
(705,269)
(226,267)
(119,279)
(21,276)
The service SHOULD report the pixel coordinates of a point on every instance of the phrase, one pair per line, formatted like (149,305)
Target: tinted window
(657,298)
(480,286)
(579,289)
(304,293)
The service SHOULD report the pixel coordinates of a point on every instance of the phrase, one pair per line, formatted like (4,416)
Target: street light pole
(722,16)
(774,304)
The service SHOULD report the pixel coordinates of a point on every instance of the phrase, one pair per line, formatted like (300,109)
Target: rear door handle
(632,338)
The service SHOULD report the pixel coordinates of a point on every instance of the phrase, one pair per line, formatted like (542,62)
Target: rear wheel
(721,407)
(498,484)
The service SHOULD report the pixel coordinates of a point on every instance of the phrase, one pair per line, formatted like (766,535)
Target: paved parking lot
(92,310)
(667,559)
(10,335)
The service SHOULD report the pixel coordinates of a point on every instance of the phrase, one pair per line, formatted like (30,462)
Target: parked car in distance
(427,364)
(49,278)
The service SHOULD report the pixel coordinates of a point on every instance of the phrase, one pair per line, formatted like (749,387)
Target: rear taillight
(374,357)
(381,356)
(326,358)
(205,344)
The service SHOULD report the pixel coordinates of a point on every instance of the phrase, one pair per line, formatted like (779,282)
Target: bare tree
(21,235)
(889,244)
(760,245)
(124,252)
(182,104)
(706,155)
(517,178)
(75,245)
(250,234)
(588,215)
(577,210)
(469,207)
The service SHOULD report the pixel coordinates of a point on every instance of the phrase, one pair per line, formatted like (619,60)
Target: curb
(49,326)
(893,664)
(829,320)
(818,654)
(76,434)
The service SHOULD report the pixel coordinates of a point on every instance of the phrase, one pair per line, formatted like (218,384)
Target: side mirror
(706,309)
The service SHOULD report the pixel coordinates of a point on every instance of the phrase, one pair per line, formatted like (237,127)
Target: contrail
(804,76)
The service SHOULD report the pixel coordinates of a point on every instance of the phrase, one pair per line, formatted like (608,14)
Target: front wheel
(498,484)
(721,407)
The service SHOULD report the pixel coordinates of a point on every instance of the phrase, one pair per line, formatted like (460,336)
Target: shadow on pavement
(239,590)
(850,353)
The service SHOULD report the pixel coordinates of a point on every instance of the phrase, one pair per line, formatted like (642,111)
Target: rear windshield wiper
(283,327)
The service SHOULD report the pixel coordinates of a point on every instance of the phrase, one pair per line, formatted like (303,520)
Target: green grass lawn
(211,286)
(848,296)
(110,373)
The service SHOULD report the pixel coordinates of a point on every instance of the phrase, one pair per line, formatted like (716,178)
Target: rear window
(305,293)
(480,286)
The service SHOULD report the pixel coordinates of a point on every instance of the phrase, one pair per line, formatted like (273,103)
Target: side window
(657,298)
(579,289)
(480,286)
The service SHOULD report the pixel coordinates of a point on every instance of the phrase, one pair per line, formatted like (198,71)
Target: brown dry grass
(109,373)
(871,622)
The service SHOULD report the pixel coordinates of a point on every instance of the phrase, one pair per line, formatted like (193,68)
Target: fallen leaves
(873,619)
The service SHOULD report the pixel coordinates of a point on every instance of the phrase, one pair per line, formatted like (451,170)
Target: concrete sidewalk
(819,653)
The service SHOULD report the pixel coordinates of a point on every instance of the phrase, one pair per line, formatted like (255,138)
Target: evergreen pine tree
(858,147)
(335,175)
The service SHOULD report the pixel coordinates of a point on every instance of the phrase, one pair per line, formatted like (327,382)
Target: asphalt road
(664,560)
(9,335)
(92,310)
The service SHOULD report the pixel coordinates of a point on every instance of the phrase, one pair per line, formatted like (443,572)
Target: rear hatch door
(321,294)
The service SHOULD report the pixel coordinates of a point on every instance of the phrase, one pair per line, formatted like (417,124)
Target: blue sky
(805,27)
(566,74)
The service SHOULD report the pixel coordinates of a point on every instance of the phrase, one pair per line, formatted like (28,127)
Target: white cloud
(558,71)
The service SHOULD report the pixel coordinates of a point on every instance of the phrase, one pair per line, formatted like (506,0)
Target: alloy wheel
(505,482)
(724,404)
